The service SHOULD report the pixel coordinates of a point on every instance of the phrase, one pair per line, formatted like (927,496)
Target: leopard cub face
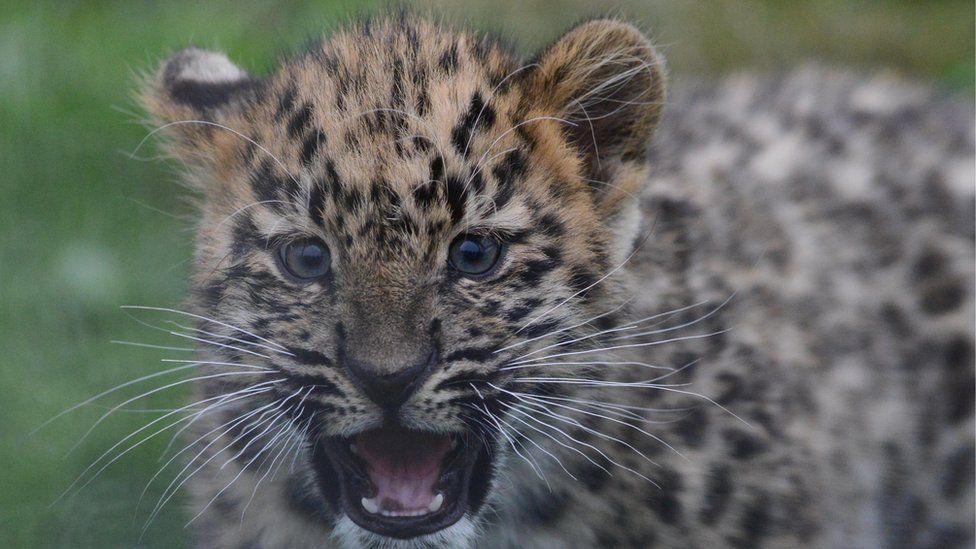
(390,222)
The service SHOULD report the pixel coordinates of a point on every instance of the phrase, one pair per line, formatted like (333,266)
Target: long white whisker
(619,79)
(241,472)
(205,319)
(148,346)
(484,409)
(680,326)
(303,436)
(130,448)
(222,336)
(554,332)
(179,431)
(223,127)
(635,385)
(213,363)
(542,406)
(299,435)
(614,406)
(676,371)
(609,408)
(217,344)
(192,364)
(288,442)
(554,439)
(295,440)
(222,402)
(154,391)
(608,418)
(543,409)
(594,363)
(563,302)
(268,445)
(595,382)
(629,325)
(170,491)
(511,441)
(576,340)
(252,425)
(547,452)
(262,433)
(606,457)
(629,346)
(593,140)
(285,430)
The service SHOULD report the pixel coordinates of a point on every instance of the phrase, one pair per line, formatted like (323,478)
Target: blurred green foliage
(927,39)
(85,227)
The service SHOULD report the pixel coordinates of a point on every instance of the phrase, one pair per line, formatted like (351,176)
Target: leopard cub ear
(192,92)
(606,82)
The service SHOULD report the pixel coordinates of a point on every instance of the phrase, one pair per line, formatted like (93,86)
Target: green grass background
(84,228)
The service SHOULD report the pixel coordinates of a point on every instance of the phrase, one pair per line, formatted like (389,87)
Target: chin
(349,535)
(398,487)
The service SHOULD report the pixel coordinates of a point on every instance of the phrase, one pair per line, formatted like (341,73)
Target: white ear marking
(203,66)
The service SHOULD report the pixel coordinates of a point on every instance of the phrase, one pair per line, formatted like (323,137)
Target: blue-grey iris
(474,255)
(305,259)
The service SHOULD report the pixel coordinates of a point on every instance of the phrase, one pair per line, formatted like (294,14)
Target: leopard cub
(451,297)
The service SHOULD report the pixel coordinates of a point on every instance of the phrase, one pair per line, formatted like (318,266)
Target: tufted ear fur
(197,85)
(607,80)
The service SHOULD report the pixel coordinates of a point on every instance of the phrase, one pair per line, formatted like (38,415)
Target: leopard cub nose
(390,387)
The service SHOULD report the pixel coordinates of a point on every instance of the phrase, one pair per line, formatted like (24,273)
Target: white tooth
(353,449)
(435,504)
(370,505)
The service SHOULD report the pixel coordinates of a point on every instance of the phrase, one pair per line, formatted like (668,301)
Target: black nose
(390,389)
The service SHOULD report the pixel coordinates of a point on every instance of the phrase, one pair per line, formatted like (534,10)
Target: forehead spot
(448,61)
(478,116)
(313,142)
(300,121)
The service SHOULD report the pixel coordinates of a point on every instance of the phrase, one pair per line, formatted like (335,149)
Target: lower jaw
(467,487)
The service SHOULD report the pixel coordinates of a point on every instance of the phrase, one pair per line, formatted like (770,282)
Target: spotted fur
(806,241)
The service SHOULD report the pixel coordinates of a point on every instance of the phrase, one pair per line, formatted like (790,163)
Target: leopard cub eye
(474,255)
(305,259)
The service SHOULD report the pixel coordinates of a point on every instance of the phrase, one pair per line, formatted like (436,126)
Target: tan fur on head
(385,145)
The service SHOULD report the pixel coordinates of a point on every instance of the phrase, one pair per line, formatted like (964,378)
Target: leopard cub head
(390,224)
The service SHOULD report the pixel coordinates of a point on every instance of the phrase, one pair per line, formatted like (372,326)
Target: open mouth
(403,483)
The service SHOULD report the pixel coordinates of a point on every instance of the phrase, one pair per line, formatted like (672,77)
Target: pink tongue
(403,466)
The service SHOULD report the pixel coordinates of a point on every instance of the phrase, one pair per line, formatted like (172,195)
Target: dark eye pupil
(474,255)
(311,256)
(305,259)
(471,250)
